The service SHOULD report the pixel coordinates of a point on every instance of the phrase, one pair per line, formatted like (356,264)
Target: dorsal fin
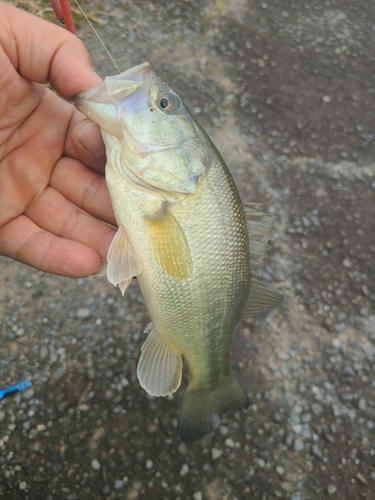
(260,227)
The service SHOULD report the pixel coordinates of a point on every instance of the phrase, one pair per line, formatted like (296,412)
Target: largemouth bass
(183,231)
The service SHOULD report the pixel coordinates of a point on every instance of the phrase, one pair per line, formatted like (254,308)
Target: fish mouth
(104,103)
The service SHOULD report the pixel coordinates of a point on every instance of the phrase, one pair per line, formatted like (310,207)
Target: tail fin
(202,408)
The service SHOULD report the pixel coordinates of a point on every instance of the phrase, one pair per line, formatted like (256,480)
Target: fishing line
(98,37)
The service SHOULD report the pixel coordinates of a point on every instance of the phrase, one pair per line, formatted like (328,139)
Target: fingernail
(91,138)
(103,270)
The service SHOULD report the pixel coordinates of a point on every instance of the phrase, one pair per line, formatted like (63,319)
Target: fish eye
(164,102)
(168,103)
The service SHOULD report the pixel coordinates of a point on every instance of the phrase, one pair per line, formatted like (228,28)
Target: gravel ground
(287,91)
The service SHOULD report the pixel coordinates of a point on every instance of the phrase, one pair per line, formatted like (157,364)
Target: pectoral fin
(123,263)
(159,368)
(169,245)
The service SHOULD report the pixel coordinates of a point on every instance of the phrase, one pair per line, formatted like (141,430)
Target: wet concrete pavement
(287,92)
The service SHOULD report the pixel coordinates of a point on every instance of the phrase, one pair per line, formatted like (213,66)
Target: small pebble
(133,494)
(83,313)
(331,489)
(336,343)
(316,451)
(261,463)
(149,464)
(286,486)
(184,470)
(95,464)
(336,410)
(215,453)
(23,485)
(360,478)
(43,353)
(137,485)
(198,495)
(280,470)
(298,445)
(230,443)
(316,408)
(362,405)
(28,394)
(348,370)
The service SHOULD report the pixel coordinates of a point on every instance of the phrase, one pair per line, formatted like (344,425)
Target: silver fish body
(184,233)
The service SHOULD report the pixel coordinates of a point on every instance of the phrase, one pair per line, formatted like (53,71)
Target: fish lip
(96,95)
(88,94)
(139,75)
(114,89)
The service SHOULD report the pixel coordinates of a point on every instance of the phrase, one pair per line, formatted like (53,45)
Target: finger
(43,52)
(53,213)
(83,187)
(84,142)
(31,154)
(24,241)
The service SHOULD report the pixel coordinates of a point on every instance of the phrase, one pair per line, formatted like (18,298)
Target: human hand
(52,188)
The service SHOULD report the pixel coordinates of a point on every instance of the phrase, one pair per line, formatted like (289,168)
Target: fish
(183,231)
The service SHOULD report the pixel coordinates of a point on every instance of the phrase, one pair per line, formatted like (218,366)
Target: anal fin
(159,368)
(123,263)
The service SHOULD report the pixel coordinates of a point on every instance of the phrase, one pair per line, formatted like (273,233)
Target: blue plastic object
(13,389)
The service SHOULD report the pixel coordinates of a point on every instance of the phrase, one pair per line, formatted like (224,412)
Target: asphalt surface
(287,92)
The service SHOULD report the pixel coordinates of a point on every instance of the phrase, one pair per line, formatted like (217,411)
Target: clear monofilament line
(96,33)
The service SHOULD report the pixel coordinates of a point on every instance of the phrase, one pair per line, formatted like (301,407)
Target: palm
(50,200)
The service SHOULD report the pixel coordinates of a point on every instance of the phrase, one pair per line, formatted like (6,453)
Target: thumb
(42,52)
